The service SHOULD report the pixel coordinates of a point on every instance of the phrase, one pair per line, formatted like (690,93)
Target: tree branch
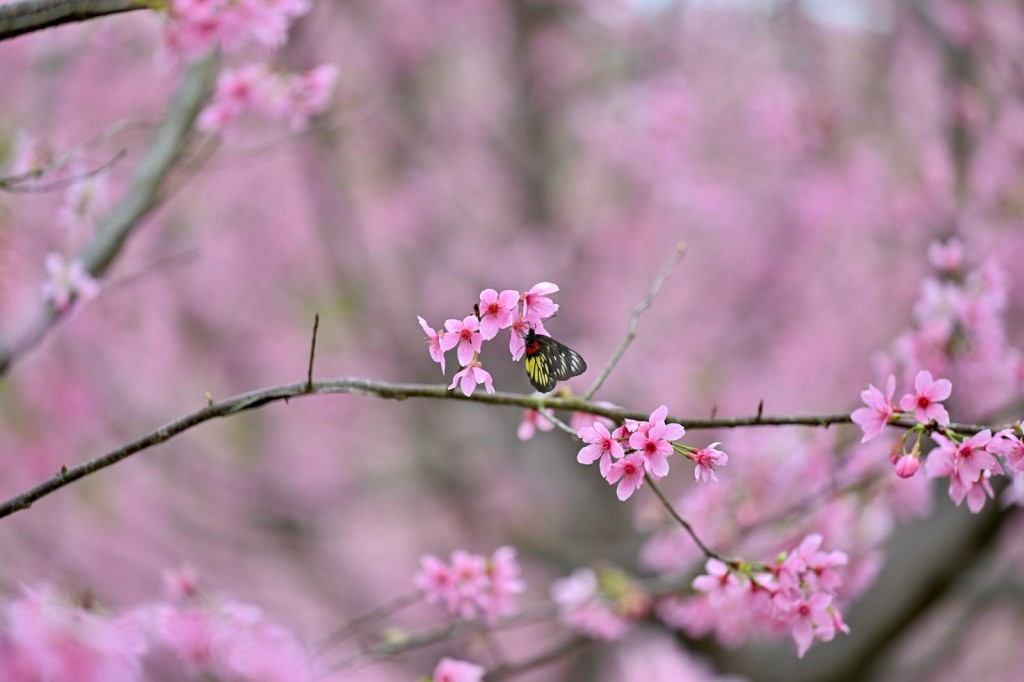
(26,16)
(634,319)
(141,198)
(379,389)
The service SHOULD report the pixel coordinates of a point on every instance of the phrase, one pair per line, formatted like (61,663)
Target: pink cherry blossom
(968,467)
(238,90)
(471,584)
(471,375)
(55,639)
(718,583)
(503,573)
(520,328)
(308,94)
(435,580)
(707,459)
(629,473)
(181,583)
(672,432)
(434,343)
(497,311)
(653,448)
(601,445)
(536,304)
(947,257)
(454,670)
(533,420)
(466,335)
(810,617)
(873,418)
(1006,444)
(925,402)
(582,607)
(579,420)
(970,458)
(67,281)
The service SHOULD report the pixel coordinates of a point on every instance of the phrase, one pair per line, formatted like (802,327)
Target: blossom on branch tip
(924,403)
(67,281)
(497,311)
(434,343)
(471,375)
(601,446)
(466,335)
(707,459)
(907,466)
(873,418)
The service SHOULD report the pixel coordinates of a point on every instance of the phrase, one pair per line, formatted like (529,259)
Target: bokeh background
(806,152)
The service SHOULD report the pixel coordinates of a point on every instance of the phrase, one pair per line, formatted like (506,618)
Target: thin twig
(64,183)
(141,198)
(379,389)
(388,649)
(561,650)
(376,613)
(555,421)
(709,553)
(312,353)
(634,319)
(58,162)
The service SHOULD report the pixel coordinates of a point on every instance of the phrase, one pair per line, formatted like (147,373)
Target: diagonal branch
(26,16)
(127,215)
(379,389)
(634,319)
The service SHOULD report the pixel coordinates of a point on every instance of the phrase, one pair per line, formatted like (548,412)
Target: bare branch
(25,16)
(709,553)
(141,198)
(379,389)
(634,319)
(312,352)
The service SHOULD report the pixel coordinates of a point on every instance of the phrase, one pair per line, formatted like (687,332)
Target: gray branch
(379,389)
(141,198)
(26,16)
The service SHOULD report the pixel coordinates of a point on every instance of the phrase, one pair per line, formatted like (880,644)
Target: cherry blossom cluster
(959,328)
(516,311)
(472,585)
(639,448)
(48,635)
(600,604)
(195,26)
(969,461)
(278,95)
(67,281)
(736,601)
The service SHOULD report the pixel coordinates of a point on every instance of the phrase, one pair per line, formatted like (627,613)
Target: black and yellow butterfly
(548,361)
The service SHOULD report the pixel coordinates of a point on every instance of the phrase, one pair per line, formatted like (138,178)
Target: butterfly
(548,361)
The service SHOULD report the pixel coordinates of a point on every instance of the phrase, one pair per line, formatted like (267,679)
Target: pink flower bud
(907,466)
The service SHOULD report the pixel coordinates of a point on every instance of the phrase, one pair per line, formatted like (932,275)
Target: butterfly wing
(538,369)
(551,362)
